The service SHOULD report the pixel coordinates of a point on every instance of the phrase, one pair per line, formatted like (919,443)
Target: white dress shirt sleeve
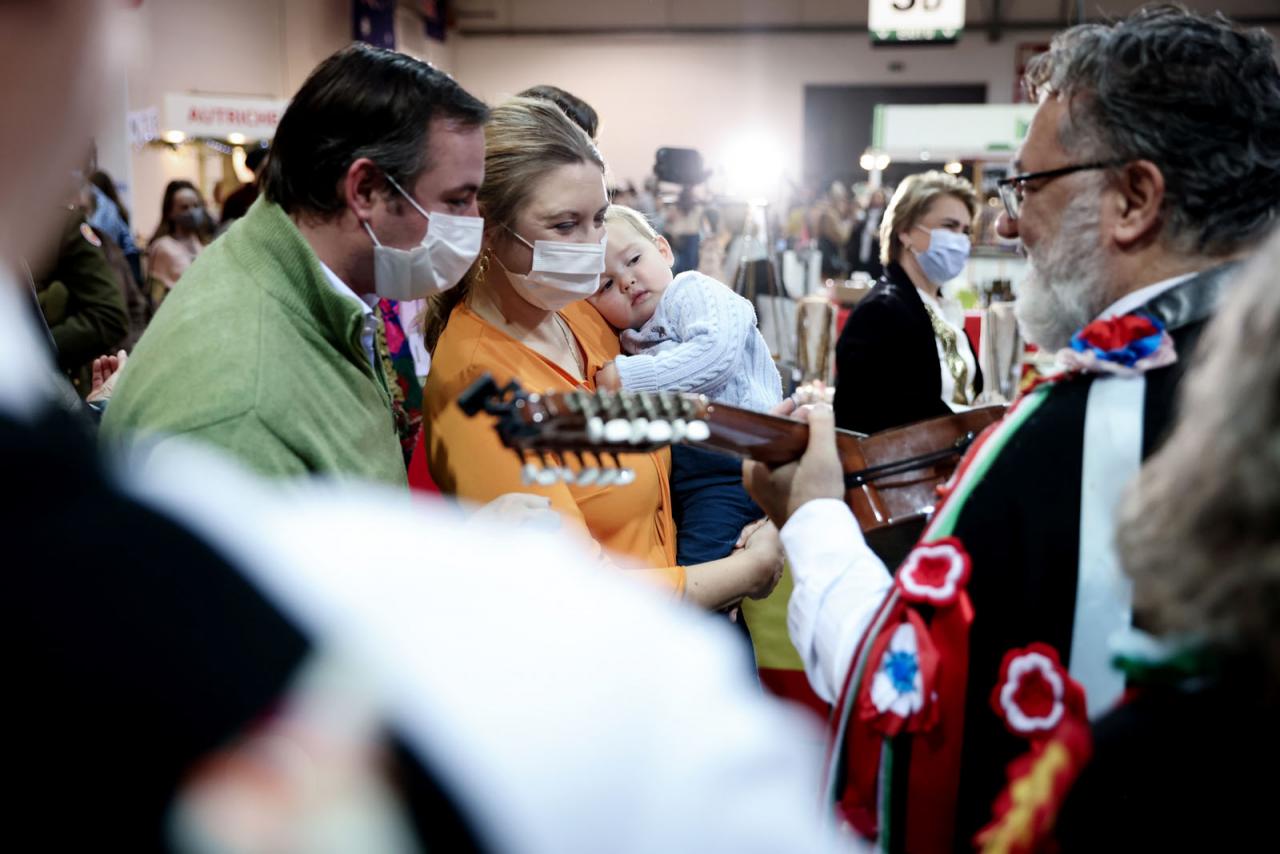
(839,582)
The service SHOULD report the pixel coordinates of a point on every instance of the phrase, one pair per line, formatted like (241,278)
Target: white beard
(1067,288)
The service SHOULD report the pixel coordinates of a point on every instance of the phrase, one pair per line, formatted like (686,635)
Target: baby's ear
(664,249)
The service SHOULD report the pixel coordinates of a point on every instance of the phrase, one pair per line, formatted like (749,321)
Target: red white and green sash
(861,765)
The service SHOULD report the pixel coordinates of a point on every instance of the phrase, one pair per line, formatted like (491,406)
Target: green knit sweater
(255,352)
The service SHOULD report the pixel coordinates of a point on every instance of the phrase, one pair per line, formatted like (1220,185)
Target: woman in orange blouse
(519,314)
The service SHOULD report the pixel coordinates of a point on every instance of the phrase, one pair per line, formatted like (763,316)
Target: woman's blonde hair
(524,140)
(910,202)
(1199,529)
(638,222)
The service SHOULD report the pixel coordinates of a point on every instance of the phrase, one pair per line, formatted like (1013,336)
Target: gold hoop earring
(482,266)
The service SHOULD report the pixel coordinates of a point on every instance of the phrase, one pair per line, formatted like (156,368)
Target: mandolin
(891,478)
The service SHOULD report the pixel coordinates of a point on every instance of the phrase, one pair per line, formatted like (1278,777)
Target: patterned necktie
(951,357)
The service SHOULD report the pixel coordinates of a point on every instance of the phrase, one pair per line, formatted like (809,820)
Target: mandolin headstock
(591,429)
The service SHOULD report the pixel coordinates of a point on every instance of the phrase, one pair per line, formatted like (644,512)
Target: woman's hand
(760,542)
(521,509)
(752,570)
(608,379)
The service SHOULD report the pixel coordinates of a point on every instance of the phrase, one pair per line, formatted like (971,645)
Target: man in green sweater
(265,347)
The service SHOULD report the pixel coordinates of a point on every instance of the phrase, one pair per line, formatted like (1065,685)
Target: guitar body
(900,497)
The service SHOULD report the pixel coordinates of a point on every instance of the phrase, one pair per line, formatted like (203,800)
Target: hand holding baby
(607,378)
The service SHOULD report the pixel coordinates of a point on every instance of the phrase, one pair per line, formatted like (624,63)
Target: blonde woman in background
(903,355)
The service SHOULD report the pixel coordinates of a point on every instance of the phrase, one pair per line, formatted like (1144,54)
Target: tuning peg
(659,432)
(626,477)
(698,431)
(571,476)
(588,472)
(648,405)
(607,477)
(639,430)
(678,429)
(595,429)
(562,470)
(617,431)
(529,474)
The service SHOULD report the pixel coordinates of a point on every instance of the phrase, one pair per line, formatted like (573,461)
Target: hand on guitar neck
(782,490)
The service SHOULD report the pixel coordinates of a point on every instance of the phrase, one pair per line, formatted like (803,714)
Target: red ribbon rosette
(1115,333)
(935,573)
(1035,693)
(1038,700)
(900,692)
(913,681)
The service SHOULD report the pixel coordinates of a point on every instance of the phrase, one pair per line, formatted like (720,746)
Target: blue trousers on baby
(711,508)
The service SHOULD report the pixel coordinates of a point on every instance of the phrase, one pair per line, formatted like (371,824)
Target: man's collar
(1142,296)
(345,289)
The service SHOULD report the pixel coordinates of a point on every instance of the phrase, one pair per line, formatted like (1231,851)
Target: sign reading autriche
(208,116)
(915,20)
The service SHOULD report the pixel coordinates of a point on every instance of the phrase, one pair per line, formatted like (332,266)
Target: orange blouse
(467,458)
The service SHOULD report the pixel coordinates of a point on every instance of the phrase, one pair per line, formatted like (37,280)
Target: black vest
(887,371)
(1021,528)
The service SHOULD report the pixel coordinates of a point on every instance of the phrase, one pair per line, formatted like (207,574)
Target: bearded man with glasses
(1151,166)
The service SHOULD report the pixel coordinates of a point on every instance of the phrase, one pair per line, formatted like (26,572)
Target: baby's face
(636,272)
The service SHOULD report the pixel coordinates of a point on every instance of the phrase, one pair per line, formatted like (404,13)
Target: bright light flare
(753,164)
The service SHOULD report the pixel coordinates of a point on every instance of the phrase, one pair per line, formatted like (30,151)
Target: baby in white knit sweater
(689,333)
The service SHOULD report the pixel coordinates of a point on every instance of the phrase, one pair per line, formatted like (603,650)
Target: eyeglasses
(1011,188)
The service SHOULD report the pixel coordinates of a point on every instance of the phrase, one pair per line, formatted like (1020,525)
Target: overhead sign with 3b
(905,21)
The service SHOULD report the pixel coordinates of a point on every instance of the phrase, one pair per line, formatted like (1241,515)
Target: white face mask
(447,251)
(562,273)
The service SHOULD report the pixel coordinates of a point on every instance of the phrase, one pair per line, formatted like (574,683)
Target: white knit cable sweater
(702,339)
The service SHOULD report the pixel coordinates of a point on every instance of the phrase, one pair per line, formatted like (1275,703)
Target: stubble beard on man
(1065,288)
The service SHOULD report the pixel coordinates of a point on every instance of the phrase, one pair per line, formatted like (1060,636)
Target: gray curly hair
(1199,531)
(1195,95)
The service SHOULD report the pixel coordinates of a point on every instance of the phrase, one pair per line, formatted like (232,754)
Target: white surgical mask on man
(562,273)
(447,251)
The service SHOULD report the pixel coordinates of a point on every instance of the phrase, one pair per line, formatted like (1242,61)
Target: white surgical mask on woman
(562,273)
(447,251)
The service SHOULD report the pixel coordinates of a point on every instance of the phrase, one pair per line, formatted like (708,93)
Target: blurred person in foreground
(202,669)
(945,671)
